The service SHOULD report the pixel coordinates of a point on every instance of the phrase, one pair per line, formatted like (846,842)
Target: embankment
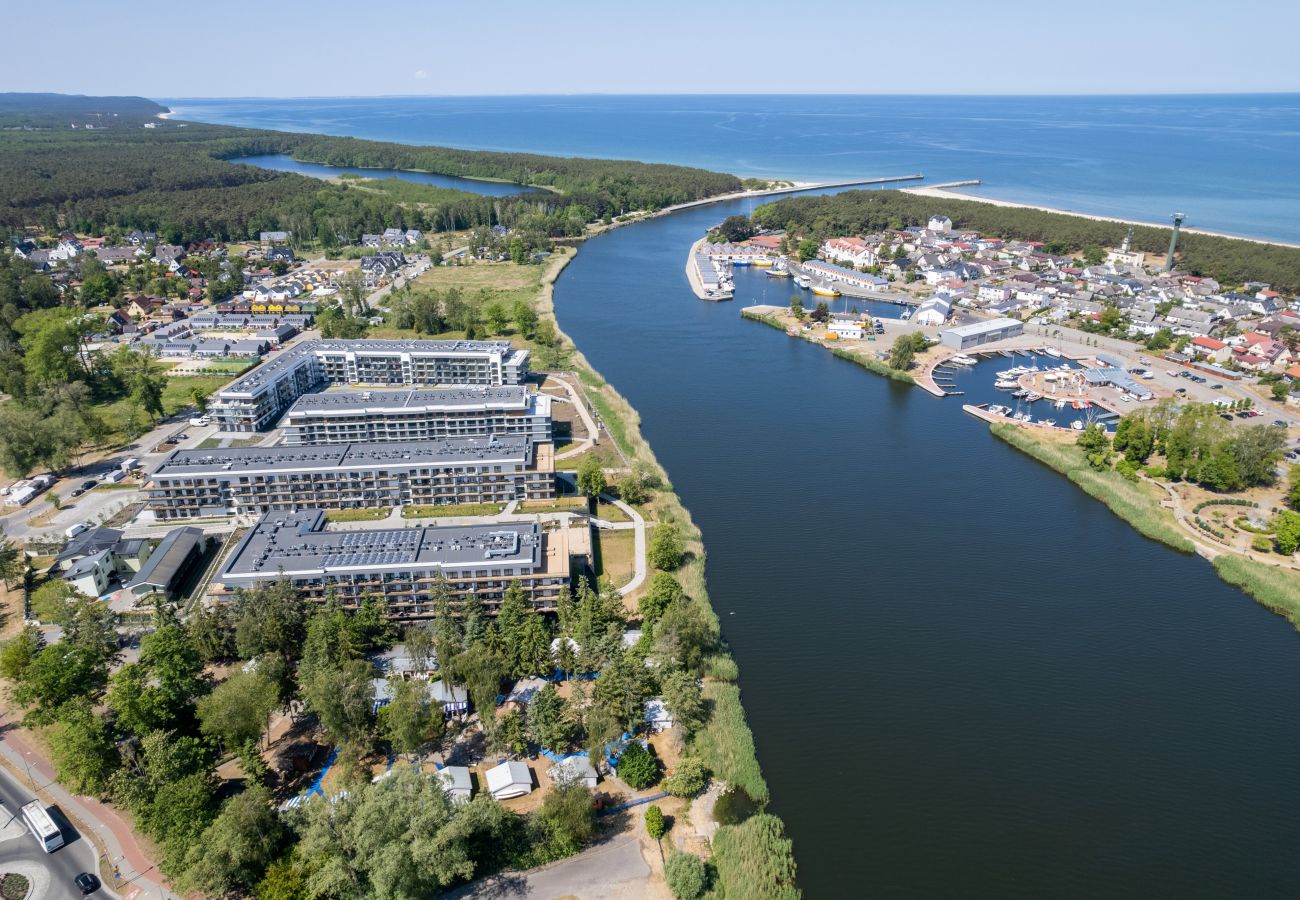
(753,858)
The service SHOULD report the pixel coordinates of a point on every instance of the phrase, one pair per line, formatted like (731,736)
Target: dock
(973,182)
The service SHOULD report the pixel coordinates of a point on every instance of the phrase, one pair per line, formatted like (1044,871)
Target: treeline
(25,110)
(1228,260)
(175,179)
(616,186)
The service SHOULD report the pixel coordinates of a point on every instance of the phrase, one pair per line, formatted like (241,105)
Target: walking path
(98,822)
(583,413)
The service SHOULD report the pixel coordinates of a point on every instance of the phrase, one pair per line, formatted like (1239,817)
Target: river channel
(964,676)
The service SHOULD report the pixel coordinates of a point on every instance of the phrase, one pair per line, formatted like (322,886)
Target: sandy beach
(945,194)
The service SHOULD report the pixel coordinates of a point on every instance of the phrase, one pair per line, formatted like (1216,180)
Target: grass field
(451,509)
(1274,588)
(615,555)
(503,280)
(559,504)
(357,515)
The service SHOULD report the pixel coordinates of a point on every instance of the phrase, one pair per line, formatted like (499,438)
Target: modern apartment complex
(252,481)
(399,565)
(255,401)
(413,414)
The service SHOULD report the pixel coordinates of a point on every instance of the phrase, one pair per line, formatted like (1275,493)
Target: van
(74,530)
(200,421)
(131,464)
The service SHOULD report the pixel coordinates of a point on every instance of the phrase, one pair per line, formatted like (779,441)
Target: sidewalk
(101,824)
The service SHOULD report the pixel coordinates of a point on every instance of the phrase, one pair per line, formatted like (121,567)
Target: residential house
(1208,348)
(853,251)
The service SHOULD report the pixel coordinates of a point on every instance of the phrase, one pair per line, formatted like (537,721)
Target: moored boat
(824,290)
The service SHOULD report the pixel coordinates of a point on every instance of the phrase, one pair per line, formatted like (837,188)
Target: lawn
(559,504)
(451,509)
(357,515)
(615,555)
(504,280)
(176,393)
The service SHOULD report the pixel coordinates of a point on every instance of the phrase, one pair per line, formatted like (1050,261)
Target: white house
(848,328)
(852,250)
(509,780)
(67,249)
(994,293)
(941,224)
(933,311)
(657,716)
(575,769)
(456,783)
(89,575)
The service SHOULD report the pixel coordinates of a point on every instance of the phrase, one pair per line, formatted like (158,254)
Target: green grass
(725,743)
(176,392)
(451,509)
(1275,588)
(357,515)
(1134,502)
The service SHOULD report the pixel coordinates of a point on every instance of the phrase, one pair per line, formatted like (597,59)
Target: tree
(496,317)
(52,601)
(343,700)
(622,690)
(664,589)
(1292,496)
(508,735)
(567,818)
(666,548)
(137,704)
(236,848)
(17,653)
(682,635)
(331,640)
(1286,532)
(654,822)
(1161,340)
(352,292)
(902,354)
(591,477)
(1096,445)
(684,699)
(737,228)
(412,718)
(525,317)
(239,709)
(550,723)
(634,487)
(270,619)
(637,767)
(57,674)
(821,313)
(1093,255)
(686,876)
(796,306)
(808,249)
(688,779)
(172,660)
(13,562)
(82,748)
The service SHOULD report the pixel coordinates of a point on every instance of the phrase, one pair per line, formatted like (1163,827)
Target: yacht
(964,360)
(1077,424)
(803,281)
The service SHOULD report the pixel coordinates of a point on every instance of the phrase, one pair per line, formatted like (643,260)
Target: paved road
(612,870)
(50,873)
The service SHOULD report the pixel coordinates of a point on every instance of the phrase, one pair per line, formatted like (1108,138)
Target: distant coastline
(949,194)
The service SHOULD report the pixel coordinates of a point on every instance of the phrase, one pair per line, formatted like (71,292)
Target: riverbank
(943,193)
(871,365)
(725,743)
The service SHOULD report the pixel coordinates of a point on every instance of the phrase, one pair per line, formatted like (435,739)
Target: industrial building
(976,334)
(345,417)
(399,565)
(254,401)
(255,480)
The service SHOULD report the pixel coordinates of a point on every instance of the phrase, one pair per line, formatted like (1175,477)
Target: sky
(296,48)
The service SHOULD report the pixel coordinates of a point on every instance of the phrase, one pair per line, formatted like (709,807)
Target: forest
(1227,260)
(175,179)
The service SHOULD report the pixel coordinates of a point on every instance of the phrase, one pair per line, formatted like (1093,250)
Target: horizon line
(561,94)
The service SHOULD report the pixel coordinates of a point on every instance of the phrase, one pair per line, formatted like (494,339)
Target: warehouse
(255,480)
(344,417)
(977,334)
(399,565)
(254,401)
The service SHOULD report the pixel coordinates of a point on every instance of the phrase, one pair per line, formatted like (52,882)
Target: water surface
(282,162)
(964,676)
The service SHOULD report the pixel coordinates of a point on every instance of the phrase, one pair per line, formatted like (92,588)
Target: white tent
(510,779)
(574,768)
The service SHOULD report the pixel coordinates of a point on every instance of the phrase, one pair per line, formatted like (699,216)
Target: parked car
(200,421)
(86,883)
(88,484)
(1279,423)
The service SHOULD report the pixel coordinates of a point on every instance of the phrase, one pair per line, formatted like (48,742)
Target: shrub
(688,779)
(638,767)
(1261,543)
(14,886)
(654,822)
(686,876)
(666,548)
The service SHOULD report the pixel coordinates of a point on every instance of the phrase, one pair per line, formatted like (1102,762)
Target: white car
(200,421)
(74,530)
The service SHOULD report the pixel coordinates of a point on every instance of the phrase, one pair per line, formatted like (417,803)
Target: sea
(1231,163)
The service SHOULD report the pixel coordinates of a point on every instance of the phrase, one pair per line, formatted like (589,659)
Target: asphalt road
(19,851)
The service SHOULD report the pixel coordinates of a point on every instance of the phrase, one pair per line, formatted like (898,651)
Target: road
(51,874)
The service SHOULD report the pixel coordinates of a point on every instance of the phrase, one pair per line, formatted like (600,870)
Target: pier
(974,182)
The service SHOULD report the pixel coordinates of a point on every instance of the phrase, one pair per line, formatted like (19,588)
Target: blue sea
(1230,162)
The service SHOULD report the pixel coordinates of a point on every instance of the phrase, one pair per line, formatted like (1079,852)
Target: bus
(42,826)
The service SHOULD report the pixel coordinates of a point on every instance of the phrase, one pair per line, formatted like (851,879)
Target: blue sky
(335,48)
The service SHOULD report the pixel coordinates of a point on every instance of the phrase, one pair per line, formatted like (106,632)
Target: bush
(686,876)
(1260,543)
(654,822)
(638,767)
(688,779)
(666,548)
(15,887)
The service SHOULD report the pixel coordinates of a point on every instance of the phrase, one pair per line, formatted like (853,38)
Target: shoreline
(942,193)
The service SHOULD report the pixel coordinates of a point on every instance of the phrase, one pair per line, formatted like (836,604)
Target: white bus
(42,826)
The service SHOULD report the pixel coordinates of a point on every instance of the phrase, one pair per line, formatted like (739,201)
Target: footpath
(136,874)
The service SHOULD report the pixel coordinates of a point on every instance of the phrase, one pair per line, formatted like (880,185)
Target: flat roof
(982,327)
(414,399)
(345,457)
(296,355)
(295,544)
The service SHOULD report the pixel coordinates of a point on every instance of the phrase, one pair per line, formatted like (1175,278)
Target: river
(964,676)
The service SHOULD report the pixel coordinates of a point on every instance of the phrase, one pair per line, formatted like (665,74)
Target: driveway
(612,871)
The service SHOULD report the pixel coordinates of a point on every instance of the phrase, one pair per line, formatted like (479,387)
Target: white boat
(1051,351)
(1006,385)
(803,281)
(1059,404)
(1077,424)
(962,360)
(1050,422)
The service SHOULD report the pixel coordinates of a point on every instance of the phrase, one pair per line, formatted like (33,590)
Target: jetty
(706,281)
